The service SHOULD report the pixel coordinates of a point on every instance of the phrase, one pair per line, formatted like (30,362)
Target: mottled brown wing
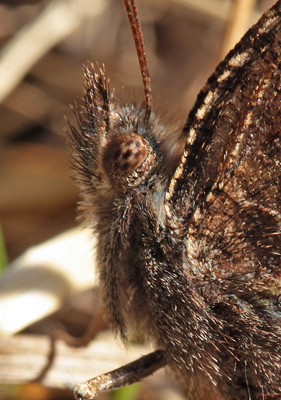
(229,179)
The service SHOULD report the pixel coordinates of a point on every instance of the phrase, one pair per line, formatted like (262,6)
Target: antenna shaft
(132,13)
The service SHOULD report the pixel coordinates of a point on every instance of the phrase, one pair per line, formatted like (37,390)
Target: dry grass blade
(58,20)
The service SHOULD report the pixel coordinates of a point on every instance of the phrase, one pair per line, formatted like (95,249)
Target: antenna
(132,13)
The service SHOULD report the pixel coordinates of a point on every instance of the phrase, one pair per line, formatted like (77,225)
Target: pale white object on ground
(24,357)
(36,284)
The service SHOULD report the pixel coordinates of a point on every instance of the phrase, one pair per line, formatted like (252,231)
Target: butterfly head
(115,146)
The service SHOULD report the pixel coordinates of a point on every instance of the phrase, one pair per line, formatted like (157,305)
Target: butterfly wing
(229,180)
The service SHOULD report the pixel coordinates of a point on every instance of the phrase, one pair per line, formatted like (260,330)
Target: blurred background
(43,47)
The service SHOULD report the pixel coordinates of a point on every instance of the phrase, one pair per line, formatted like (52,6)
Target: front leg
(120,377)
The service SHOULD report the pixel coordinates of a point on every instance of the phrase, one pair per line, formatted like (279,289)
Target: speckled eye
(123,155)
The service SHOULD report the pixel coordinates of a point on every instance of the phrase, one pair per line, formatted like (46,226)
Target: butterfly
(188,229)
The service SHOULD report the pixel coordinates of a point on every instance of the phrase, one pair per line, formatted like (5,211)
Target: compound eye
(124,154)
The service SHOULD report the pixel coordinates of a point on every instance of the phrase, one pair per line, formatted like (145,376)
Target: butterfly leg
(120,377)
